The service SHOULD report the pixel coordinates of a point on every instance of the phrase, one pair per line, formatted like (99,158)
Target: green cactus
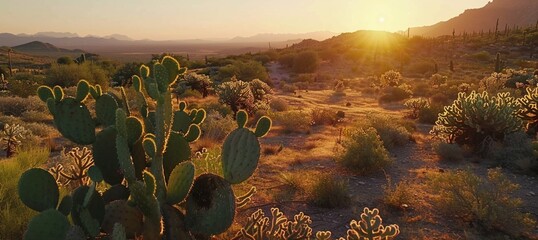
(119,211)
(152,154)
(241,149)
(210,205)
(48,225)
(370,227)
(474,117)
(38,189)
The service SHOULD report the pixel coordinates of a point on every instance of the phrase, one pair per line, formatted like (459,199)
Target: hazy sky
(187,19)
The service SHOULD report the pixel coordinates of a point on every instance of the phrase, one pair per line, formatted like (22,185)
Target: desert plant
(278,104)
(216,127)
(11,136)
(416,105)
(153,191)
(364,151)
(529,109)
(330,192)
(391,78)
(475,117)
(324,116)
(398,195)
(449,152)
(393,132)
(76,173)
(236,94)
(487,202)
(293,121)
(279,227)
(394,94)
(197,82)
(306,62)
(259,89)
(438,79)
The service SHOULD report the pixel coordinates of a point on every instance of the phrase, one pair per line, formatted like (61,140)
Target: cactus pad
(263,126)
(174,224)
(65,205)
(210,205)
(129,217)
(105,109)
(83,88)
(241,117)
(177,151)
(48,225)
(180,182)
(74,121)
(240,155)
(105,155)
(116,192)
(44,93)
(94,210)
(172,66)
(38,189)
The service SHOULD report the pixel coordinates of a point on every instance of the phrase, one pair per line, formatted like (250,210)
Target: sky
(208,19)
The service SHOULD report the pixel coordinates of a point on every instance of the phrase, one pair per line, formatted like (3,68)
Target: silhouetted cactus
(11,136)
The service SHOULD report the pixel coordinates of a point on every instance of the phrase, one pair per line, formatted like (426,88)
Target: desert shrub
(438,79)
(24,84)
(324,116)
(14,215)
(224,110)
(306,62)
(364,151)
(430,114)
(236,94)
(416,105)
(289,88)
(40,129)
(35,116)
(449,152)
(216,126)
(292,121)
(69,75)
(244,70)
(394,94)
(480,56)
(486,202)
(15,106)
(515,151)
(392,131)
(287,59)
(421,67)
(122,76)
(189,93)
(330,192)
(397,195)
(391,78)
(475,117)
(279,104)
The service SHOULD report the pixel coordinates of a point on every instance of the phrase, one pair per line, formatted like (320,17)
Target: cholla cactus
(236,94)
(259,89)
(416,105)
(529,109)
(476,116)
(11,136)
(76,172)
(370,227)
(391,78)
(438,79)
(279,227)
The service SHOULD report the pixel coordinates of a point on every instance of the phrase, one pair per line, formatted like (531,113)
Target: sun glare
(381,20)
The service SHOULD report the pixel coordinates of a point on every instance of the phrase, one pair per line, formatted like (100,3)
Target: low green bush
(363,151)
(330,192)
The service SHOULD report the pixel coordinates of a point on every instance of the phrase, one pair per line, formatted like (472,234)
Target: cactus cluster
(145,159)
(278,226)
(10,137)
(474,117)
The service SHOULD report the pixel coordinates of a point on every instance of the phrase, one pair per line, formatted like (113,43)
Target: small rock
(362,183)
(441,170)
(531,193)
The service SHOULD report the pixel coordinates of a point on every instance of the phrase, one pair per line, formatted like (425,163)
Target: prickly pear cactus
(241,149)
(146,162)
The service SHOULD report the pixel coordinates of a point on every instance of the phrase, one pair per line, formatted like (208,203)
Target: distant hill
(274,37)
(41,47)
(521,13)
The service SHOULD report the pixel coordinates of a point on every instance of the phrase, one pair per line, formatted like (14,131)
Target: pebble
(362,183)
(531,194)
